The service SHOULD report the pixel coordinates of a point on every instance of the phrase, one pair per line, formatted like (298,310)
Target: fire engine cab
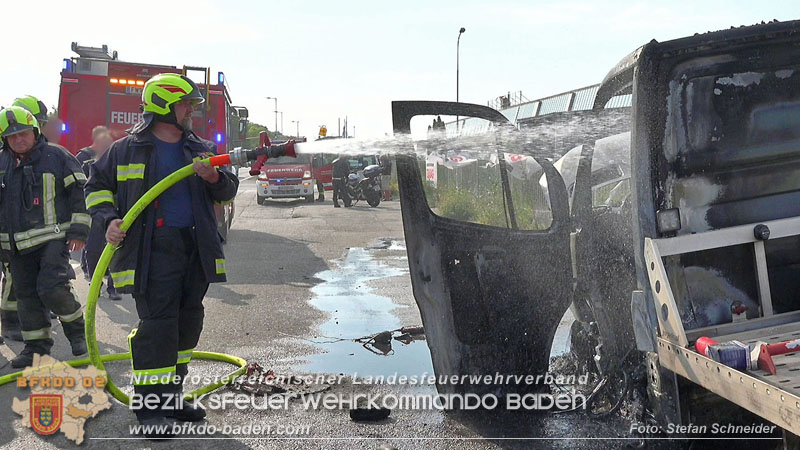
(99,89)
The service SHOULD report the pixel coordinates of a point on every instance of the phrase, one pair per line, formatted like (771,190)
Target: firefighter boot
(183,410)
(9,323)
(149,411)
(112,293)
(77,335)
(156,428)
(25,357)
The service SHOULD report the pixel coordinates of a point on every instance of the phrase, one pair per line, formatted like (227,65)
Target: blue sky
(325,60)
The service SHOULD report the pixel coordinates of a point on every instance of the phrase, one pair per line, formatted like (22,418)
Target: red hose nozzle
(263,139)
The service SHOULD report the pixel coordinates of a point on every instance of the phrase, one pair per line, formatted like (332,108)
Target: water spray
(239,157)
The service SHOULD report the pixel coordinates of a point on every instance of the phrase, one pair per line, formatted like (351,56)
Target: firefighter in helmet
(168,259)
(42,219)
(9,320)
(50,129)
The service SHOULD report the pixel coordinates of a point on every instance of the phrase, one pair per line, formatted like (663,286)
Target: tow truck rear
(710,226)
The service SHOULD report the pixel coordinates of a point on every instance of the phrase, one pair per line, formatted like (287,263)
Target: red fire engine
(99,89)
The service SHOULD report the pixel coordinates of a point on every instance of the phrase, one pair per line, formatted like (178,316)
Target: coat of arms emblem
(46,413)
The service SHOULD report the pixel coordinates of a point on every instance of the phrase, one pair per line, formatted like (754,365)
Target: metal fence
(581,99)
(576,100)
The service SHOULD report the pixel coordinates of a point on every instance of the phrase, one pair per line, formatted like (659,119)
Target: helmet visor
(15,128)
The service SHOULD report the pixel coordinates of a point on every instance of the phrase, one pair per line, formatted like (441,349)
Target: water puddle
(356,311)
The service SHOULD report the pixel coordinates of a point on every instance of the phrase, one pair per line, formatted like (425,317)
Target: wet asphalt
(303,281)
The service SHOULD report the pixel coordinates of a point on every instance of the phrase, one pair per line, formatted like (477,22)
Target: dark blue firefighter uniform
(166,265)
(41,197)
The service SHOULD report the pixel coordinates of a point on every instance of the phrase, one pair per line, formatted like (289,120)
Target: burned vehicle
(697,239)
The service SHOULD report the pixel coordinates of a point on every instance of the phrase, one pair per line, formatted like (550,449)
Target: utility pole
(458,43)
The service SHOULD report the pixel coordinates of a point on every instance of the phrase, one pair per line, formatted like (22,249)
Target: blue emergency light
(221,77)
(64,127)
(219,137)
(65,65)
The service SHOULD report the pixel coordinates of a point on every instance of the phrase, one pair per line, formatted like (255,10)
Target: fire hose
(239,157)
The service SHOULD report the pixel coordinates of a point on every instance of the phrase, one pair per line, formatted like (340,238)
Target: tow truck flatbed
(773,397)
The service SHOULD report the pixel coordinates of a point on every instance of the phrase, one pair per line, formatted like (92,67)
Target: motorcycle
(365,185)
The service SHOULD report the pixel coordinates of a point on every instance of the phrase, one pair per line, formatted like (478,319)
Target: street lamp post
(276,111)
(297,130)
(281,121)
(458,43)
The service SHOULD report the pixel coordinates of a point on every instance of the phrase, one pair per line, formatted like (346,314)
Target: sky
(329,60)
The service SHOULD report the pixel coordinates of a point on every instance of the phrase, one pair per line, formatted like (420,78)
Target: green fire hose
(94,292)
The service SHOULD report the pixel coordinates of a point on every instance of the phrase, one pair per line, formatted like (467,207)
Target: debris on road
(363,413)
(381,343)
(378,343)
(259,381)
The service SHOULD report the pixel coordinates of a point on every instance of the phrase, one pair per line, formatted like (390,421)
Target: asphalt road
(300,275)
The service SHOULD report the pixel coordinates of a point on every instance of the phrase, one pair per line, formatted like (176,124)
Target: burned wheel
(609,395)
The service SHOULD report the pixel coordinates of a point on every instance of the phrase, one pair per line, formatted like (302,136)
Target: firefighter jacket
(41,199)
(85,155)
(123,174)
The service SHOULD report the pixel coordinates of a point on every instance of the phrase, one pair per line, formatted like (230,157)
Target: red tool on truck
(99,89)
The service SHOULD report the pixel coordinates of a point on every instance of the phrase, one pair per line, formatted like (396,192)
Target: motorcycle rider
(42,219)
(340,170)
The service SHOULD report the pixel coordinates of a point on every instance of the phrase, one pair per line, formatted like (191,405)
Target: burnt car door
(490,295)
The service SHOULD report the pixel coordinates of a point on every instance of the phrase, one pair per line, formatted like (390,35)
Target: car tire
(260,200)
(310,198)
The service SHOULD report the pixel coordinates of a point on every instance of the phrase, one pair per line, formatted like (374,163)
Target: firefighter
(86,156)
(42,219)
(101,140)
(168,259)
(9,319)
(49,126)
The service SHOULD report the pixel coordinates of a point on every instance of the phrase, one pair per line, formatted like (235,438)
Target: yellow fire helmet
(16,119)
(165,89)
(35,106)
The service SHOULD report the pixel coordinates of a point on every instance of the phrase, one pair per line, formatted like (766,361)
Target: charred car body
(704,225)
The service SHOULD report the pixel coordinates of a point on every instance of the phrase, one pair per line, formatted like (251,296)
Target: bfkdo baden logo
(46,412)
(62,398)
